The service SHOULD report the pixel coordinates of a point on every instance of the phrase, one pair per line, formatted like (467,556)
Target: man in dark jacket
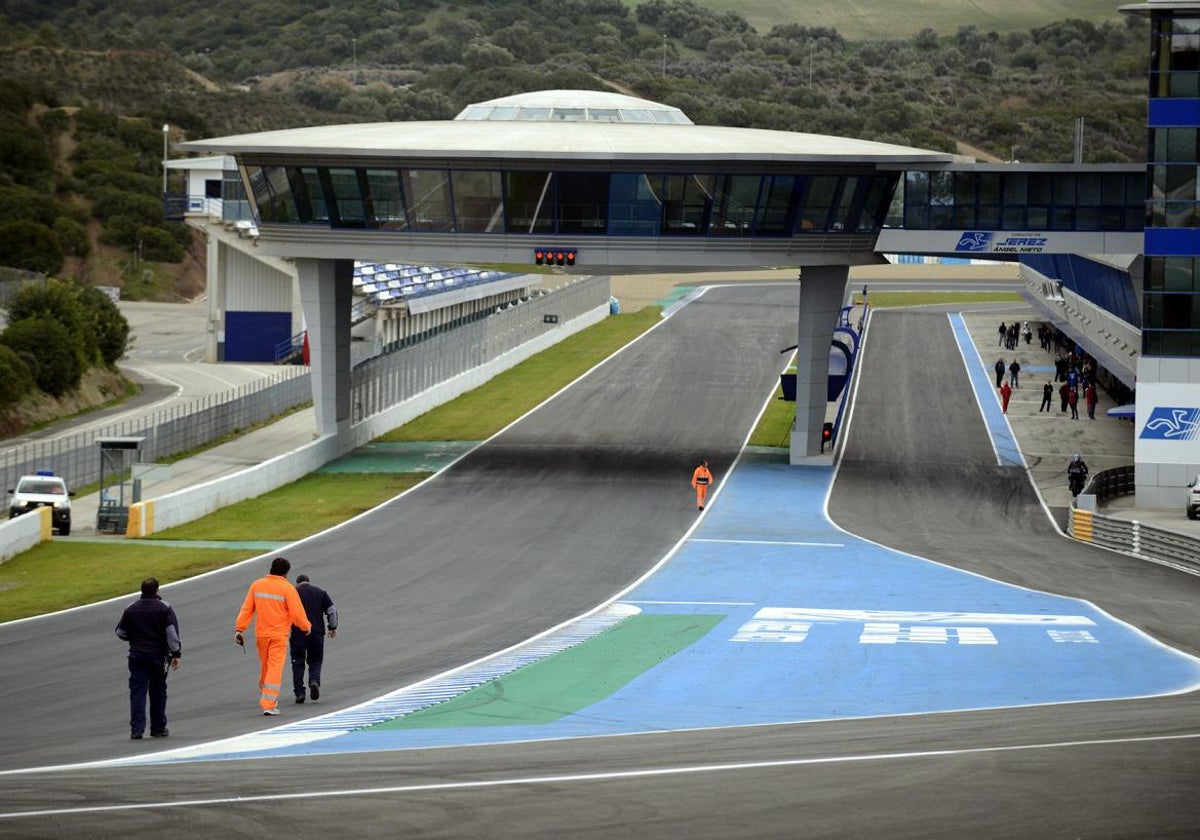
(1047,397)
(310,649)
(150,627)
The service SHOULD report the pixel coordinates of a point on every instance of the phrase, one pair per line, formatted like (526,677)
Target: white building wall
(255,286)
(1167,446)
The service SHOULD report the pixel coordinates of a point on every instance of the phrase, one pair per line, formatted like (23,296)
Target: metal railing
(1136,538)
(289,348)
(387,380)
(178,429)
(1108,484)
(377,384)
(1129,536)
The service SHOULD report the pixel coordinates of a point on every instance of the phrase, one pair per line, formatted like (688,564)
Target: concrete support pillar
(325,294)
(822,292)
(216,283)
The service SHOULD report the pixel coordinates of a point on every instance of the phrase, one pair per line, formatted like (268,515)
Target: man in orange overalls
(275,605)
(701,478)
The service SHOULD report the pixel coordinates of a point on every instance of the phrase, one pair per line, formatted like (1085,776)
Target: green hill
(86,86)
(866,20)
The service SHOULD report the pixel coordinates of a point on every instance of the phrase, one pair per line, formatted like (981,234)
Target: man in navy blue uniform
(150,627)
(310,649)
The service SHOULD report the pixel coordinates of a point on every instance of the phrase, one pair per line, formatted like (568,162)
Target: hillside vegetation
(863,20)
(85,88)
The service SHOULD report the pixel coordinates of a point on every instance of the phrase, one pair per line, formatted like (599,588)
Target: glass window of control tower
(1175,57)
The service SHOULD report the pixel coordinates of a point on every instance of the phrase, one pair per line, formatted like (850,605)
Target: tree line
(82,105)
(57,331)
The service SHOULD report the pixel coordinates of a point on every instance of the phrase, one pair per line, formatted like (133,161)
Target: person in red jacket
(1005,394)
(274,605)
(701,478)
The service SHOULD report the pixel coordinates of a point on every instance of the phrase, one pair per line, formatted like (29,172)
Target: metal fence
(385,381)
(377,384)
(178,429)
(1108,484)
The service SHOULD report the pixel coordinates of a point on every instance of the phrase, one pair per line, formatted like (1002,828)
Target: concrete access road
(166,357)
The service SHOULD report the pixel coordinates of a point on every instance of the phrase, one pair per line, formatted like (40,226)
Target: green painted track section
(568,681)
(678,293)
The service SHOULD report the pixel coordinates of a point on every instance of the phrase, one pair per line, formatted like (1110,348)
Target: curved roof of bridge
(481,136)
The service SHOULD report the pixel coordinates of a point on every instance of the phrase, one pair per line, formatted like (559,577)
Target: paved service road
(557,514)
(166,357)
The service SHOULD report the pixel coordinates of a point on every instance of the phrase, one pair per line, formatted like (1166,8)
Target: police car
(43,489)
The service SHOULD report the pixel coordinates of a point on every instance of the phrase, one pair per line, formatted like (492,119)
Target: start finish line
(890,627)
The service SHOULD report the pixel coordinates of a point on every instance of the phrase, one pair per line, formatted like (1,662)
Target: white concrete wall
(1164,465)
(24,532)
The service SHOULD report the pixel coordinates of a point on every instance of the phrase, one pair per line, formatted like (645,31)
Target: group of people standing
(284,616)
(1014,380)
(1010,338)
(1074,370)
(1011,334)
(1077,374)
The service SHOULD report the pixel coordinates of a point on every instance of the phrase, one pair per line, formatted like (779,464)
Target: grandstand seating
(388,282)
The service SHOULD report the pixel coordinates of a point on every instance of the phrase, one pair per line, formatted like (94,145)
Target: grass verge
(57,575)
(481,413)
(311,504)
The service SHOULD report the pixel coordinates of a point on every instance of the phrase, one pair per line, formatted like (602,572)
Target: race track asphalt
(554,516)
(541,524)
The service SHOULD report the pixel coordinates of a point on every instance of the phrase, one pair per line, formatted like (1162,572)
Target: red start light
(553,256)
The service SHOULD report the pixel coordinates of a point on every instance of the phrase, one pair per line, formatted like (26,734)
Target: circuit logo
(1014,243)
(1171,423)
(974,240)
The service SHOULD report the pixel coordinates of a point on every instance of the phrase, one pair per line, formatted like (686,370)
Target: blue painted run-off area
(821,625)
(1008,454)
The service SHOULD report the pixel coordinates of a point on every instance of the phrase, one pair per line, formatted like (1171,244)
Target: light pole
(354,46)
(166,137)
(664,57)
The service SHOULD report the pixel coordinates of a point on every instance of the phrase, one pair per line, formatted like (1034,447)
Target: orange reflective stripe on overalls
(701,478)
(272,653)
